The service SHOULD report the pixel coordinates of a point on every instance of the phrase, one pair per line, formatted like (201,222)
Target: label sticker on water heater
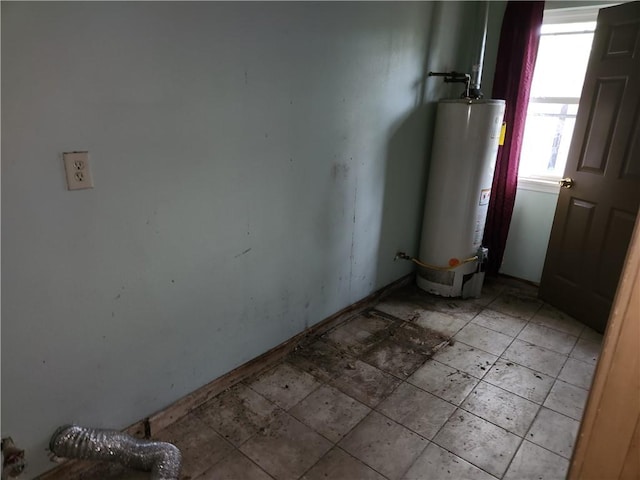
(485,194)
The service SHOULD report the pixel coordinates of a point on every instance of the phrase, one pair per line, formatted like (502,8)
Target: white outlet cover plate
(76,166)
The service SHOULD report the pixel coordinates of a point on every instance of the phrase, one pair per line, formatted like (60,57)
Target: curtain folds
(517,51)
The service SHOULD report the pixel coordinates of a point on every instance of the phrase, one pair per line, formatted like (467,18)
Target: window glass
(568,27)
(561,65)
(559,73)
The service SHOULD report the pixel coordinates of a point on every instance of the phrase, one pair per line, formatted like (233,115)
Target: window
(565,44)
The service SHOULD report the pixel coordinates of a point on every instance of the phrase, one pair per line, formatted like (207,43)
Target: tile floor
(370,400)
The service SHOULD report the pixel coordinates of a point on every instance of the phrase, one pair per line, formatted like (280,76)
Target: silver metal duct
(164,460)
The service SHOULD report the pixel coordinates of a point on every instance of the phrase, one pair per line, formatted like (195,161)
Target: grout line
(455,454)
(567,459)
(557,329)
(360,461)
(472,347)
(409,428)
(245,456)
(406,470)
(529,430)
(555,379)
(525,322)
(431,440)
(442,398)
(522,439)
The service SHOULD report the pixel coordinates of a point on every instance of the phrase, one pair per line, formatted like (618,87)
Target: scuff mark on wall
(243,253)
(339,170)
(353,233)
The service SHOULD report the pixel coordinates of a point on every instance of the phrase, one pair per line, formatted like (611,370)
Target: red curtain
(517,51)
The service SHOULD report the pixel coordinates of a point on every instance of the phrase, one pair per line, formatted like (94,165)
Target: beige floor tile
(417,337)
(516,304)
(404,350)
(445,323)
(534,357)
(399,308)
(484,444)
(365,383)
(235,467)
(369,322)
(330,412)
(417,410)
(320,359)
(490,291)
(200,446)
(462,309)
(553,318)
(339,465)
(499,322)
(483,338)
(237,413)
(358,334)
(443,381)
(285,385)
(394,358)
(534,462)
(586,350)
(435,463)
(591,335)
(567,399)
(520,380)
(466,358)
(505,409)
(578,373)
(554,431)
(286,449)
(548,338)
(519,286)
(384,445)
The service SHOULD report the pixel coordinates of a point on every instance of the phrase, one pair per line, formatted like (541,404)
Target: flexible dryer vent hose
(164,460)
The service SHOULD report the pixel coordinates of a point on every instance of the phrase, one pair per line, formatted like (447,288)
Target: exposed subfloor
(385,396)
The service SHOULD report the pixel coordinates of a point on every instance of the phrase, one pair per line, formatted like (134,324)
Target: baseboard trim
(191,401)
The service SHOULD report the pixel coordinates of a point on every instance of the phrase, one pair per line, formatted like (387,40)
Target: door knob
(566,182)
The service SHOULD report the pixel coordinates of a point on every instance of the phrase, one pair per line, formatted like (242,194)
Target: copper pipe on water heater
(476,69)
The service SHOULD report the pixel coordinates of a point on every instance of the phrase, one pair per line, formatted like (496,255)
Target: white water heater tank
(461,170)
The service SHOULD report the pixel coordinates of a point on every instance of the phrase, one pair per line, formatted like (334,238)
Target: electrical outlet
(76,165)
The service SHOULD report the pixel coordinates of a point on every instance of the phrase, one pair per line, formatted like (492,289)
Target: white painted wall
(256,167)
(529,231)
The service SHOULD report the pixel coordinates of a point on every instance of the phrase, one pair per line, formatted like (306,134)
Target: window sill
(545,185)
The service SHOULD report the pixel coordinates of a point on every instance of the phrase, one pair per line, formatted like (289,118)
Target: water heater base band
(465,281)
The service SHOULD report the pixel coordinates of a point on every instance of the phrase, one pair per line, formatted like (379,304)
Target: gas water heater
(451,260)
